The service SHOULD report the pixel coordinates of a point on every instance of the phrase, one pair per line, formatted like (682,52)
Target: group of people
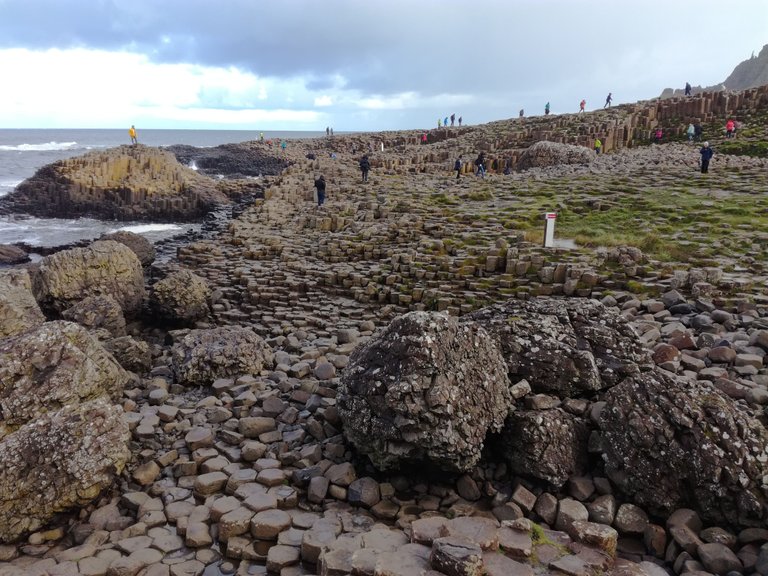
(328,131)
(444,122)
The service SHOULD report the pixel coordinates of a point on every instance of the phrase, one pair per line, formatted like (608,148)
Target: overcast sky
(353,64)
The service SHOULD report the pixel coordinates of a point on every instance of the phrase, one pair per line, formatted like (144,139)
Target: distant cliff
(750,73)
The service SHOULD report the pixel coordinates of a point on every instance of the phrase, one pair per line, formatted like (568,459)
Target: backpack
(457,165)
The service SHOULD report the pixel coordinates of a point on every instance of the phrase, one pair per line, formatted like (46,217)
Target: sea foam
(40,147)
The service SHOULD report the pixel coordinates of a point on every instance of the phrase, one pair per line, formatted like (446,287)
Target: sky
(354,65)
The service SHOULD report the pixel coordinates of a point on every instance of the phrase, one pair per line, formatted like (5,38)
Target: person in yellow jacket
(598,145)
(132,134)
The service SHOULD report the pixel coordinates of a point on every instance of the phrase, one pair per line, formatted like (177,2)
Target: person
(480,163)
(608,100)
(331,131)
(365,166)
(327,130)
(445,122)
(657,136)
(729,128)
(706,155)
(453,118)
(283,145)
(424,138)
(697,132)
(687,89)
(598,145)
(457,166)
(459,120)
(690,132)
(261,136)
(320,185)
(582,105)
(132,134)
(507,167)
(546,109)
(522,113)
(439,123)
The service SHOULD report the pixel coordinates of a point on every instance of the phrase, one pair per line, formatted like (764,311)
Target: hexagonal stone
(280,556)
(457,555)
(199,437)
(235,523)
(341,474)
(271,477)
(222,506)
(426,530)
(259,502)
(384,540)
(198,535)
(515,542)
(410,560)
(210,483)
(481,531)
(496,564)
(364,492)
(267,524)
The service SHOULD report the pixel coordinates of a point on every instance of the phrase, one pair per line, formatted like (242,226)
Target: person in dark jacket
(365,166)
(480,163)
(457,166)
(697,132)
(320,185)
(706,155)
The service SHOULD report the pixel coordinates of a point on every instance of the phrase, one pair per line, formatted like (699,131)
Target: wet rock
(427,388)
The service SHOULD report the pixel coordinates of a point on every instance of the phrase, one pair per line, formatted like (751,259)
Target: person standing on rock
(608,100)
(582,105)
(690,132)
(132,134)
(457,166)
(658,135)
(598,145)
(706,155)
(546,109)
(320,185)
(453,117)
(521,113)
(423,138)
(365,166)
(730,127)
(687,89)
(459,120)
(480,163)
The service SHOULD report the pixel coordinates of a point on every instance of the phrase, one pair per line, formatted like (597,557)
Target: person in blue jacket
(706,155)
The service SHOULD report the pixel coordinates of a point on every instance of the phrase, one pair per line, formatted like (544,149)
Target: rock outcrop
(105,268)
(201,356)
(670,443)
(97,313)
(750,73)
(564,346)
(47,367)
(19,310)
(180,298)
(125,183)
(12,255)
(142,247)
(244,159)
(542,154)
(62,459)
(428,388)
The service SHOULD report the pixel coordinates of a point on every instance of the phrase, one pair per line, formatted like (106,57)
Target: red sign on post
(551,215)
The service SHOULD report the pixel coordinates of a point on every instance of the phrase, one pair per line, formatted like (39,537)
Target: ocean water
(22,152)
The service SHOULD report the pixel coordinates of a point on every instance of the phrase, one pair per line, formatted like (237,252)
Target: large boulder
(10,254)
(180,298)
(50,366)
(547,445)
(101,269)
(671,443)
(133,355)
(425,388)
(201,356)
(142,247)
(564,346)
(543,154)
(98,313)
(61,460)
(18,308)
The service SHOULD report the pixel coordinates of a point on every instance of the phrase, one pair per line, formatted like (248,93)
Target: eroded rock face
(61,460)
(98,312)
(671,443)
(180,298)
(202,356)
(55,364)
(542,154)
(101,269)
(564,346)
(426,388)
(18,308)
(549,445)
(142,247)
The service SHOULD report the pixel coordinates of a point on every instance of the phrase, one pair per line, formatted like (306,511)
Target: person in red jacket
(729,128)
(582,105)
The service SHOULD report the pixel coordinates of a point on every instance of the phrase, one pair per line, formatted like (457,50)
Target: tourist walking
(522,113)
(457,166)
(445,122)
(459,120)
(608,100)
(327,130)
(658,135)
(598,145)
(365,166)
(582,105)
(687,89)
(453,118)
(480,163)
(546,109)
(706,155)
(424,138)
(697,132)
(283,146)
(730,128)
(320,185)
(261,136)
(690,132)
(132,134)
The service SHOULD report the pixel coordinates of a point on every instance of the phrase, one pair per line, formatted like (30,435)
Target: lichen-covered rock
(180,298)
(542,154)
(55,364)
(98,312)
(670,443)
(548,445)
(101,269)
(133,355)
(142,247)
(202,356)
(19,310)
(61,460)
(10,254)
(564,346)
(426,388)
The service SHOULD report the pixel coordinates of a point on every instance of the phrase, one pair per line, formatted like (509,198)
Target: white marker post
(549,229)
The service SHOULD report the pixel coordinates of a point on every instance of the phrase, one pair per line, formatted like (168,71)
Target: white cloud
(323,101)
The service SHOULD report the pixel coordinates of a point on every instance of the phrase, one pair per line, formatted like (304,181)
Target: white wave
(193,165)
(144,228)
(40,147)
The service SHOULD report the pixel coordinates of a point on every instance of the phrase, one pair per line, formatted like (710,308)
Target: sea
(23,151)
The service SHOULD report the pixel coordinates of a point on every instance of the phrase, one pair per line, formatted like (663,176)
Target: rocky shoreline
(612,433)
